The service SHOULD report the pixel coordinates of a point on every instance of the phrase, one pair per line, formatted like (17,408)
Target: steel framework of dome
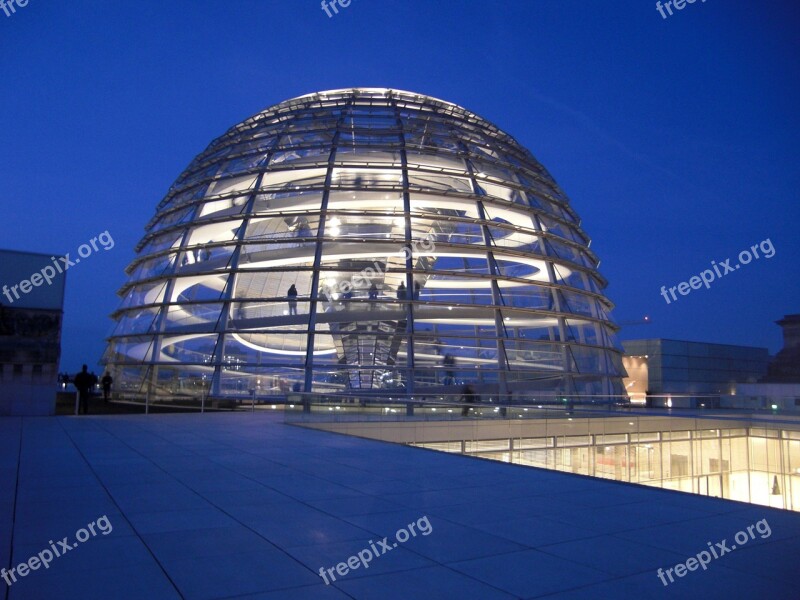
(427,247)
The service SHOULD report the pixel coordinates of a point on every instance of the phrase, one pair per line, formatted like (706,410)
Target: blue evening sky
(676,139)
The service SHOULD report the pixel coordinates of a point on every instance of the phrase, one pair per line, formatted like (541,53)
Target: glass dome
(364,240)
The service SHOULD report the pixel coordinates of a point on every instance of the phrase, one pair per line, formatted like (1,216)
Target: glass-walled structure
(364,240)
(750,462)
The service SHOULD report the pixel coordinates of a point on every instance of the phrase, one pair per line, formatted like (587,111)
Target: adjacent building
(677,373)
(779,389)
(31,311)
(785,367)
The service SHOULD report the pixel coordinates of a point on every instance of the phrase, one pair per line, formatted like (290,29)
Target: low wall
(425,431)
(27,399)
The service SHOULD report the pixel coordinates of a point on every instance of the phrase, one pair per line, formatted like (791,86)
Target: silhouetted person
(373,292)
(292,294)
(417,288)
(107,380)
(5,329)
(468,397)
(449,362)
(83,382)
(401,291)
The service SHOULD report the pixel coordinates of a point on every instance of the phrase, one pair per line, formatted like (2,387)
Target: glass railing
(740,455)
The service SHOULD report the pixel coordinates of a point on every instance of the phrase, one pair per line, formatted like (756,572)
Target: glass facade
(759,465)
(364,240)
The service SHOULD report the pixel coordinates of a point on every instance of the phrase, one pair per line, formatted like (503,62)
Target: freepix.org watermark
(678,4)
(8,6)
(365,556)
(327,5)
(366,275)
(707,276)
(718,550)
(48,273)
(46,556)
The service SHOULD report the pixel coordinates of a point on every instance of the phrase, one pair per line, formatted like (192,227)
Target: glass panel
(288,202)
(534,355)
(418,180)
(231,185)
(193,317)
(578,303)
(301,156)
(183,215)
(526,296)
(524,268)
(293,179)
(585,332)
(589,360)
(131,379)
(570,277)
(135,349)
(226,207)
(160,265)
(183,381)
(137,321)
(517,240)
(203,288)
(265,348)
(189,349)
(367,156)
(146,293)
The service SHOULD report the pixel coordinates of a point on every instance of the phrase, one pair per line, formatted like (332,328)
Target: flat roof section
(243,505)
